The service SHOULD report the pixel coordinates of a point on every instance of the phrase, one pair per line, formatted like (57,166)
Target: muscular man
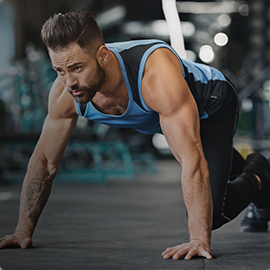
(146,86)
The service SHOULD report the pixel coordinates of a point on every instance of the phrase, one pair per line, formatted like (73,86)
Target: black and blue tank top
(207,84)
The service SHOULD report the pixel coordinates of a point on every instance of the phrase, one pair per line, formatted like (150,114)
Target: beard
(92,88)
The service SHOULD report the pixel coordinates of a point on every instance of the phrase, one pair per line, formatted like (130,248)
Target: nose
(70,80)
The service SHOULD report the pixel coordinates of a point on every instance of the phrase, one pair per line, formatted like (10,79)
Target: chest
(111,105)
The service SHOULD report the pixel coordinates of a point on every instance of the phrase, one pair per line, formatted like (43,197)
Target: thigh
(218,150)
(217,138)
(238,164)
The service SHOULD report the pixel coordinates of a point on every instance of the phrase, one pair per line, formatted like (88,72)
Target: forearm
(36,190)
(198,200)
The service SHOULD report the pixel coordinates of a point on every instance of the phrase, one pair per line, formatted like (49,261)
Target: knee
(219,219)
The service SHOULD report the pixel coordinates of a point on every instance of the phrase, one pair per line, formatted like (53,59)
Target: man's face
(79,71)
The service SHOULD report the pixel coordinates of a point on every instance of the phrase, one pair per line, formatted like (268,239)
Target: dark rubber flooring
(124,224)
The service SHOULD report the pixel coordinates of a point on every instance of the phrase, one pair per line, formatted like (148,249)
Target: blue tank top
(208,86)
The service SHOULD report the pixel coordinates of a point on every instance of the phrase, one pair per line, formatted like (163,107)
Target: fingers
(174,252)
(15,241)
(26,243)
(169,252)
(5,242)
(202,253)
(187,251)
(2,243)
(207,255)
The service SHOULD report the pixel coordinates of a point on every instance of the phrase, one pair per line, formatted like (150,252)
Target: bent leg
(238,164)
(229,197)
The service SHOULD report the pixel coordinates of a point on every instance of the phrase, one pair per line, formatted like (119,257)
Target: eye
(78,68)
(60,72)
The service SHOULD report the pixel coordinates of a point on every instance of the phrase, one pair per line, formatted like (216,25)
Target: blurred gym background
(233,36)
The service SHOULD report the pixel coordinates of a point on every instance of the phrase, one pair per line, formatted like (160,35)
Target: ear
(103,55)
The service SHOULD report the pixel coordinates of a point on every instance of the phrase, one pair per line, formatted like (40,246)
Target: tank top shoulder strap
(132,60)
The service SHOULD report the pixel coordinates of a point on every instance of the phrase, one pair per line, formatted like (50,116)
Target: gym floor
(124,224)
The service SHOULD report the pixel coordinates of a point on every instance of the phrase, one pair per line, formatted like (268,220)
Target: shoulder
(163,84)
(161,65)
(162,58)
(61,104)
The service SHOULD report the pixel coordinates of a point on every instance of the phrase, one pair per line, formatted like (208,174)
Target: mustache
(77,88)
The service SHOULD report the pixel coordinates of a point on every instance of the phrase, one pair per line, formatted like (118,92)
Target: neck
(114,81)
(112,98)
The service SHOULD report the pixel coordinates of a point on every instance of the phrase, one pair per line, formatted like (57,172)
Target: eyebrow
(69,67)
(73,65)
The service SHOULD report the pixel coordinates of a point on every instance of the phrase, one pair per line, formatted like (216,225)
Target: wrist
(29,230)
(203,240)
(23,231)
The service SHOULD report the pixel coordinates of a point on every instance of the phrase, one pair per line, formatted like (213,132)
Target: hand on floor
(188,250)
(18,239)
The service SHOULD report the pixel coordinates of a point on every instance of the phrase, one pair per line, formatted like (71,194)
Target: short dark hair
(80,27)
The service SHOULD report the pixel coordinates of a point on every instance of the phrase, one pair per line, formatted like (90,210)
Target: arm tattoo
(37,193)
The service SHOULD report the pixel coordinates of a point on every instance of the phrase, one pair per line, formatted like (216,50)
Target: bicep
(182,131)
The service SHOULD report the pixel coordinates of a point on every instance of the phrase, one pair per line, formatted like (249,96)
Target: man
(146,86)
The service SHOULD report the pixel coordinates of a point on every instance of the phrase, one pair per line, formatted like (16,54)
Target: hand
(18,239)
(193,248)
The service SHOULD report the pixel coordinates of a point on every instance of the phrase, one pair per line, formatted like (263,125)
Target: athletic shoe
(262,214)
(250,222)
(259,165)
